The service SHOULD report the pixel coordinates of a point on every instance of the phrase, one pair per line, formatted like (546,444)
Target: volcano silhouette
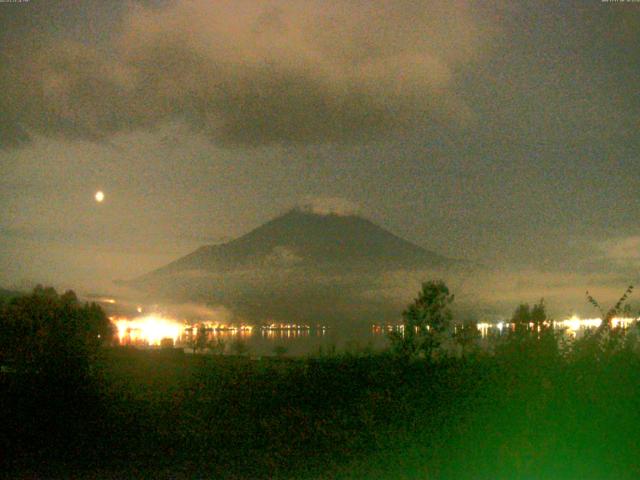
(301,266)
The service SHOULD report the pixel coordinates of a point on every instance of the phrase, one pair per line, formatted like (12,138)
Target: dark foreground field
(154,414)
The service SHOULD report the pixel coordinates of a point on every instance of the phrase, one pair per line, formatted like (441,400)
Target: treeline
(50,346)
(46,332)
(434,405)
(429,332)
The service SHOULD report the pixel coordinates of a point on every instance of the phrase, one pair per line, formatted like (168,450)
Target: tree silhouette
(44,331)
(614,311)
(425,321)
(467,335)
(521,318)
(217,346)
(533,336)
(201,341)
(605,340)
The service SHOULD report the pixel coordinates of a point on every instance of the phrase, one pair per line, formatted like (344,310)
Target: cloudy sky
(502,132)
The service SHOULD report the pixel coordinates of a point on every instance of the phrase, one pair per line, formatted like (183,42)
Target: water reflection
(155,330)
(572,326)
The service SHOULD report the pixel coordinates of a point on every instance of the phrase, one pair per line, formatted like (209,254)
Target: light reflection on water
(154,331)
(573,327)
(291,339)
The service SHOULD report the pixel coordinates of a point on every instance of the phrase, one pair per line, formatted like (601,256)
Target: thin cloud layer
(624,251)
(247,73)
(500,291)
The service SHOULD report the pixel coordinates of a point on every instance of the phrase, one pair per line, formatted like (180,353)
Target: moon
(99,196)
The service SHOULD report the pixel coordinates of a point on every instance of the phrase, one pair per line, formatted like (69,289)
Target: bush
(49,333)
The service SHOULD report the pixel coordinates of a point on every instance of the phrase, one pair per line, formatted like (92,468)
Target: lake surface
(154,331)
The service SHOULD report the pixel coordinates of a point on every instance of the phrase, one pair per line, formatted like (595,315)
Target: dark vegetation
(435,405)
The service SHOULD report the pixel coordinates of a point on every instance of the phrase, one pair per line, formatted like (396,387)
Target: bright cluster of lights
(623,322)
(221,327)
(396,327)
(152,329)
(291,330)
(571,325)
(147,330)
(484,328)
(285,326)
(575,323)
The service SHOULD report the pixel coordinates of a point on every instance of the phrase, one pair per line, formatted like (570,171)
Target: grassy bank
(146,414)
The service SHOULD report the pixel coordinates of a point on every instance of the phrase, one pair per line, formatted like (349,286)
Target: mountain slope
(300,265)
(308,239)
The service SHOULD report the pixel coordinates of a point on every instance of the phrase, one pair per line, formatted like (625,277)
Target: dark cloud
(501,132)
(246,72)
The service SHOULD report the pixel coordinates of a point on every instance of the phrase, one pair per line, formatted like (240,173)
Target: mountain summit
(300,258)
(305,239)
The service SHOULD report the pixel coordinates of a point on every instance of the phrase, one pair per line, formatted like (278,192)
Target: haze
(503,133)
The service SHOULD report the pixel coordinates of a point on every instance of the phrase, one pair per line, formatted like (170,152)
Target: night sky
(506,133)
